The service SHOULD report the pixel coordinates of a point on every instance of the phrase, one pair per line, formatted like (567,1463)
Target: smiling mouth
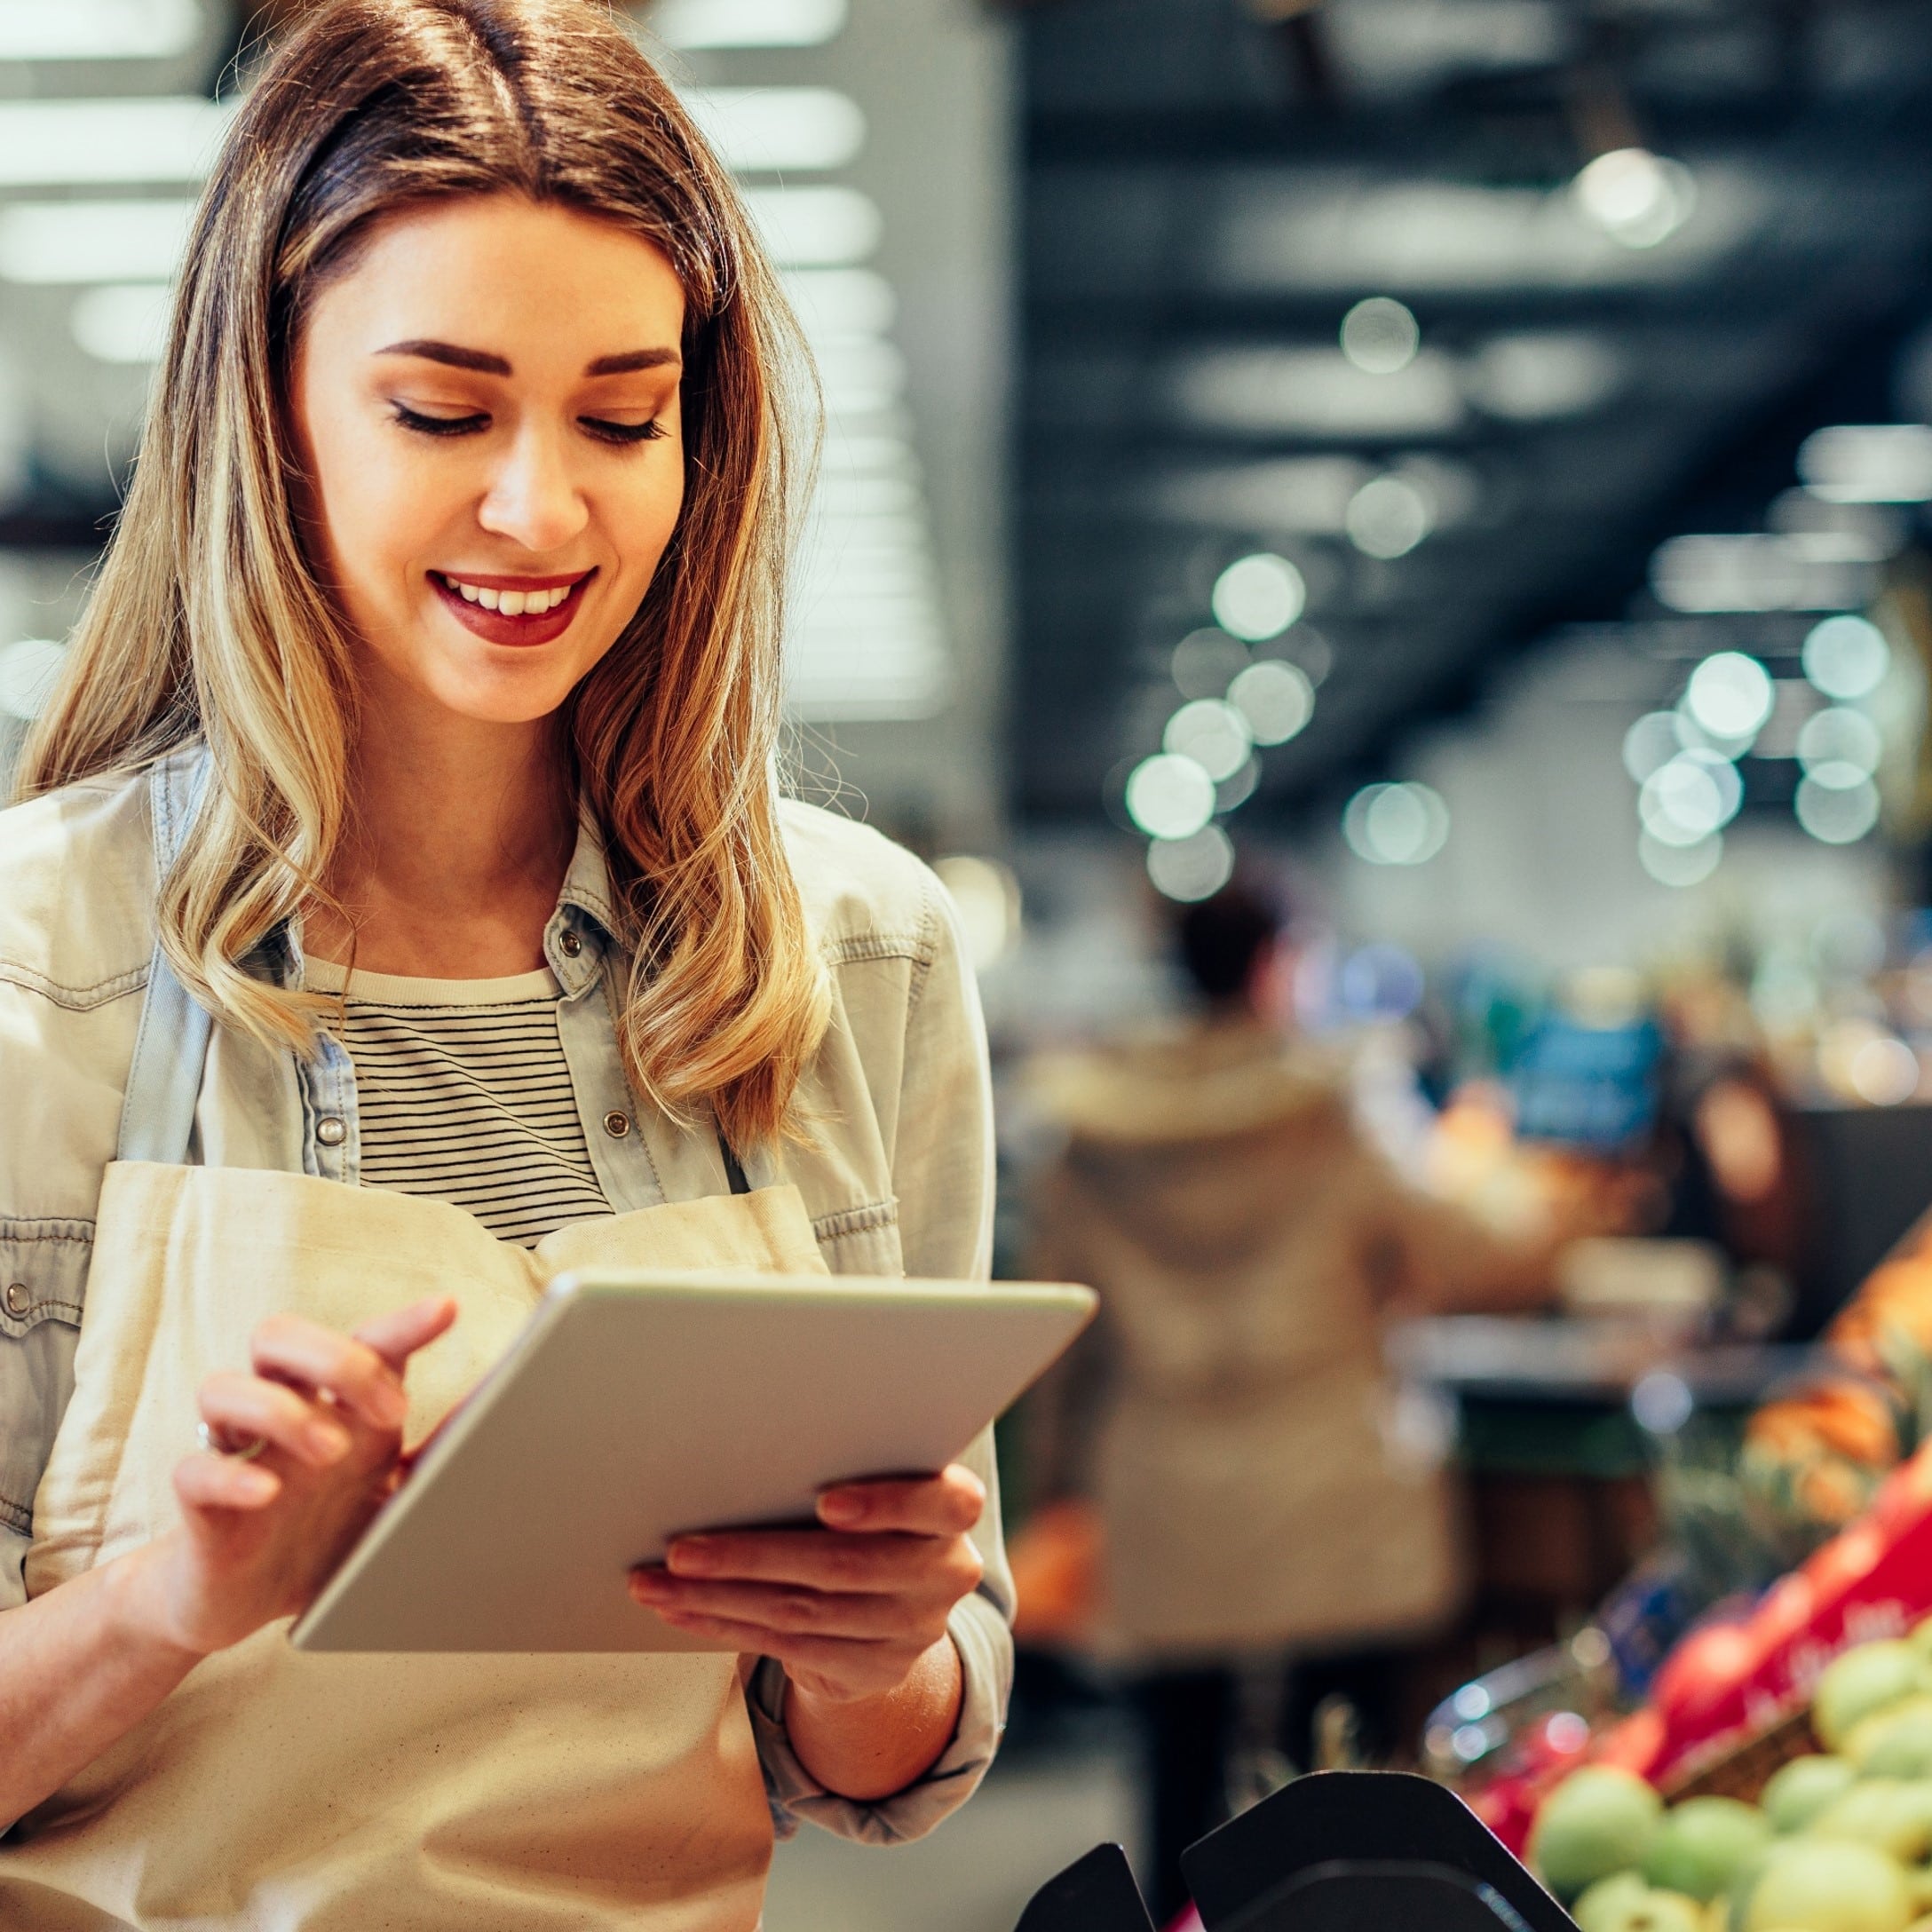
(527,597)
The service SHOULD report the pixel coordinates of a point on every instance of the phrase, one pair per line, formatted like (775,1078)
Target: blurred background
(1448,475)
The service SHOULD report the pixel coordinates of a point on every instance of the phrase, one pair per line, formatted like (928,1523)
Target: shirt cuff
(985,1644)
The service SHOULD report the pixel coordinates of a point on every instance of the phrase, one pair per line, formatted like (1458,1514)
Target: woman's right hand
(260,1536)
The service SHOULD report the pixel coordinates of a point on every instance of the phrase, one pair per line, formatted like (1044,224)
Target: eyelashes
(623,435)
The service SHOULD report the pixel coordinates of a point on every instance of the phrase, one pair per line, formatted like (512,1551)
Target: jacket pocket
(42,1291)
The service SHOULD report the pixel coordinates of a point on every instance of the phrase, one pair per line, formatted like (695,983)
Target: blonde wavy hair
(207,620)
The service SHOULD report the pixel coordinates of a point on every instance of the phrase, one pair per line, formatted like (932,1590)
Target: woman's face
(487,411)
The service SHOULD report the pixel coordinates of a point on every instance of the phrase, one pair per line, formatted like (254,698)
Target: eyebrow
(452,356)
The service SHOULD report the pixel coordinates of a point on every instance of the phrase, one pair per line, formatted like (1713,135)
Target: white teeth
(512,603)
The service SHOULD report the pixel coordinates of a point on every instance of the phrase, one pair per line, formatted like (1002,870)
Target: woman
(406,817)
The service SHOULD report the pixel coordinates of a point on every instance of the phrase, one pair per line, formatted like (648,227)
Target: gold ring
(216,1446)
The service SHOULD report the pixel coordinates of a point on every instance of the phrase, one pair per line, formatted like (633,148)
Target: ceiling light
(843,301)
(80,143)
(769,129)
(1259,597)
(816,227)
(1277,701)
(1213,733)
(1847,657)
(1191,870)
(87,242)
(1731,695)
(97,30)
(1838,737)
(1316,392)
(1650,744)
(1879,463)
(1396,825)
(740,23)
(1794,571)
(1695,794)
(1680,864)
(1836,814)
(1535,378)
(1169,796)
(1636,197)
(124,321)
(1381,335)
(1206,661)
(1389,516)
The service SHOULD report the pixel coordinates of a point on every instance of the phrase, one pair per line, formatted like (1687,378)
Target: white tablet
(637,1406)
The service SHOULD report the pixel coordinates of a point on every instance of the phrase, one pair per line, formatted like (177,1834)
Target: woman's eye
(622,432)
(439,426)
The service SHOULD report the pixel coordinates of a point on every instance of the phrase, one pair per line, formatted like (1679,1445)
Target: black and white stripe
(464,1096)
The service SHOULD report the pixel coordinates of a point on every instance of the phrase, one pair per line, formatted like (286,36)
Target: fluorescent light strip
(97,30)
(817,227)
(92,242)
(741,23)
(87,143)
(776,130)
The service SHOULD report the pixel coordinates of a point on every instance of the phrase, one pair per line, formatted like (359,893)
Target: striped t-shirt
(464,1094)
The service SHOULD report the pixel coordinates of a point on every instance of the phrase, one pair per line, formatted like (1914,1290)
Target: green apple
(1607,1905)
(1866,1680)
(1797,1791)
(1881,1729)
(1888,1812)
(1817,1885)
(1599,1821)
(1703,1844)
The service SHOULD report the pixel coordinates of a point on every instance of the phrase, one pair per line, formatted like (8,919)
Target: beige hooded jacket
(1230,1412)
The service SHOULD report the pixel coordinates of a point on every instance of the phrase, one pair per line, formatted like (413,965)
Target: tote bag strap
(171,1050)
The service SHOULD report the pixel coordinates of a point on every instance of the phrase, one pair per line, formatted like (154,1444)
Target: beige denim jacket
(897,1171)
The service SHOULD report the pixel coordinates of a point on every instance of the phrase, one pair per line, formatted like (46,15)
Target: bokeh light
(1396,825)
(1192,868)
(1838,737)
(1680,864)
(1731,695)
(1379,335)
(1211,732)
(1636,197)
(1836,814)
(1847,657)
(1259,597)
(1206,661)
(1388,517)
(1169,796)
(1278,700)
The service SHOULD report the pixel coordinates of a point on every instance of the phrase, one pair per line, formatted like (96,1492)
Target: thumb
(398,1336)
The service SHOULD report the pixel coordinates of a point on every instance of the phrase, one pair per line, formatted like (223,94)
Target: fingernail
(328,1440)
(255,1486)
(841,1506)
(692,1555)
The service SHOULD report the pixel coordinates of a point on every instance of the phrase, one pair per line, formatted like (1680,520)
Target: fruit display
(1840,1839)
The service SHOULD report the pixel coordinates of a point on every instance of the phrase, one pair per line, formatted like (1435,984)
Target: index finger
(948,1504)
(397,1335)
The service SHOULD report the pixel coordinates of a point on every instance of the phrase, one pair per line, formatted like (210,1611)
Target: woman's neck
(458,842)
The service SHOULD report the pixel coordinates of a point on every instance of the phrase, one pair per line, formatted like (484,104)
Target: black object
(1338,1851)
(1386,1839)
(1097,1895)
(1869,1175)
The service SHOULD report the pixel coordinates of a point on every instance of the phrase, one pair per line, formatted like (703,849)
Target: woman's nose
(534,498)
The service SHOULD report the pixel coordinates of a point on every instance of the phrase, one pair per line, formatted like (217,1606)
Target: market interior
(1382,549)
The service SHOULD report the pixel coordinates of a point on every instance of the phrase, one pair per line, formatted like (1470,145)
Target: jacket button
(331,1130)
(20,1299)
(569,945)
(616,1125)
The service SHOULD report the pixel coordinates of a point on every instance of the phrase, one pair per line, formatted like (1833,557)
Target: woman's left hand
(850,1609)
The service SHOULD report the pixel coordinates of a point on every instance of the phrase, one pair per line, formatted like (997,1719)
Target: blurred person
(1263,1491)
(402,869)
